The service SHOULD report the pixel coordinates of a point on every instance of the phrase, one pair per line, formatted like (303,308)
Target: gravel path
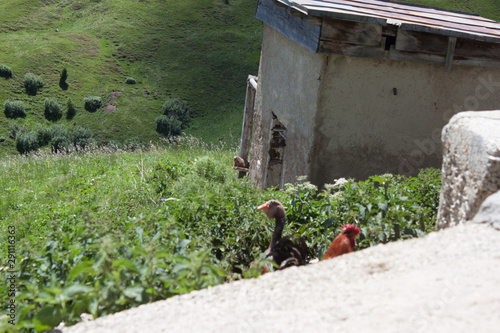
(447,281)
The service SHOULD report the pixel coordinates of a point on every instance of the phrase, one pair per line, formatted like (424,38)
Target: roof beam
(452,42)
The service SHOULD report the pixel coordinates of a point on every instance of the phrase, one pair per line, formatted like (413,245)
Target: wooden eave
(337,31)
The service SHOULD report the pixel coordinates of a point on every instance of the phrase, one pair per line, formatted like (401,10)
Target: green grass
(486,8)
(103,230)
(200,51)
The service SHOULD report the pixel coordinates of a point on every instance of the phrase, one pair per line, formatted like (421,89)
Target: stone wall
(471,166)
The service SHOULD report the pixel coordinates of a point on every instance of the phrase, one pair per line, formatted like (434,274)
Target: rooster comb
(351,228)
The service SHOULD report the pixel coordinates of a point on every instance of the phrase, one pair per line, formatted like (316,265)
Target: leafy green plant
(43,134)
(5,71)
(130,80)
(26,142)
(81,137)
(32,83)
(92,103)
(386,208)
(177,108)
(59,139)
(70,110)
(100,231)
(62,80)
(14,109)
(168,125)
(53,110)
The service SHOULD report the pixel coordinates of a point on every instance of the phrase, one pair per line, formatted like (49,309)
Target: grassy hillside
(197,50)
(485,8)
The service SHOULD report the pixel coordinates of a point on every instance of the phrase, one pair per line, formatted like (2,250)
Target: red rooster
(343,243)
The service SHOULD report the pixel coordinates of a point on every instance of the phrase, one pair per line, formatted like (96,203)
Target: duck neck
(278,230)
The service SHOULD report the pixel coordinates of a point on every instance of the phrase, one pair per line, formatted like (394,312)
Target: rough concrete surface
(447,281)
(489,212)
(471,165)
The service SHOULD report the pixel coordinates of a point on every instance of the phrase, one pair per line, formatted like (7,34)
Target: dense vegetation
(100,231)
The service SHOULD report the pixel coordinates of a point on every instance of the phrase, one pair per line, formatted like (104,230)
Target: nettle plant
(386,208)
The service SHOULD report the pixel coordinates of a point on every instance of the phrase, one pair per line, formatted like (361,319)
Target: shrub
(26,142)
(92,103)
(15,129)
(5,71)
(14,109)
(130,80)
(168,125)
(32,83)
(60,139)
(81,137)
(178,108)
(44,135)
(70,110)
(62,80)
(53,110)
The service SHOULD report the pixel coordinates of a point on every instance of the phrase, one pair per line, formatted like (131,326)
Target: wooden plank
(452,41)
(358,33)
(468,48)
(296,28)
(395,54)
(422,42)
(412,41)
(248,112)
(352,50)
(433,58)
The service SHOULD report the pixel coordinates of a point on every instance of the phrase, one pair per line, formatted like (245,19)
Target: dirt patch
(110,106)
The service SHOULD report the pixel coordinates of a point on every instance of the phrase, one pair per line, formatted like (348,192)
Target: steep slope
(197,50)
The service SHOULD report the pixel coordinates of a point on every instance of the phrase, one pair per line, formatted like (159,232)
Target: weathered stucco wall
(383,116)
(289,88)
(356,117)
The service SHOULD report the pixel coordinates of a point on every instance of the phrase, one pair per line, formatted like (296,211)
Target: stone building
(353,88)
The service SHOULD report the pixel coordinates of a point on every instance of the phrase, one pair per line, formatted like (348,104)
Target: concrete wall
(383,116)
(288,87)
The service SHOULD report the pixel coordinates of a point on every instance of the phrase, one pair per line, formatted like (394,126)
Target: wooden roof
(406,16)
(386,30)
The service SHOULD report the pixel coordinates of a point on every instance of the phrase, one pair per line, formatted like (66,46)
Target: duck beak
(264,207)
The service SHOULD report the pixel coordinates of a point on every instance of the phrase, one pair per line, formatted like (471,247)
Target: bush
(60,139)
(14,109)
(177,108)
(26,142)
(43,134)
(81,137)
(32,83)
(15,129)
(62,80)
(70,110)
(53,110)
(130,80)
(92,103)
(168,125)
(5,71)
